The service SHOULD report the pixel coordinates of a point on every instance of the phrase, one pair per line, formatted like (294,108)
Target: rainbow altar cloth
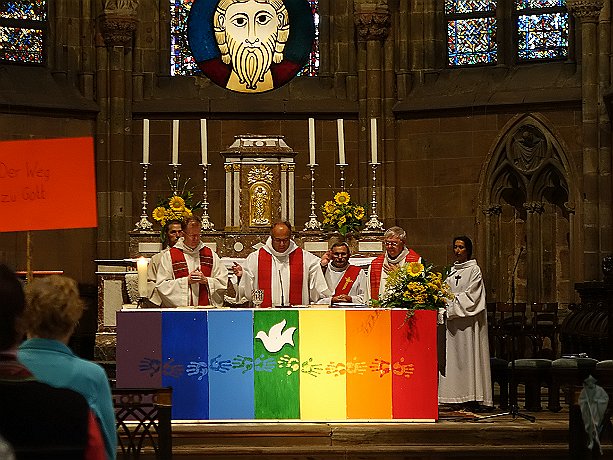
(284,364)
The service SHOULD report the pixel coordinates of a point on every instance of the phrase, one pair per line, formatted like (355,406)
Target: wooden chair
(143,417)
(510,329)
(544,325)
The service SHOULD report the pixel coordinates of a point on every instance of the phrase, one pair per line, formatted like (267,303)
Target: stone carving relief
(527,149)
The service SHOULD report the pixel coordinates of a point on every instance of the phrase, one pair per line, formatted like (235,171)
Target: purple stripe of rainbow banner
(280,364)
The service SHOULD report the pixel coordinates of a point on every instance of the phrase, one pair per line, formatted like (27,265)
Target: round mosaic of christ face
(250,46)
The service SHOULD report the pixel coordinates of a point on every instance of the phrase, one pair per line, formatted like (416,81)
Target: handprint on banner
(197,368)
(337,369)
(150,365)
(356,367)
(217,365)
(308,367)
(289,362)
(352,367)
(380,366)
(172,370)
(404,370)
(264,365)
(242,362)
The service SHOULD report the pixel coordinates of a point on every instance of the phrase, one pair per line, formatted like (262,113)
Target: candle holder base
(374,225)
(207,225)
(312,224)
(143,225)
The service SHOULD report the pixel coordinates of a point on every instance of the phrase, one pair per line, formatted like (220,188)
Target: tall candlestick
(203,142)
(373,141)
(146,141)
(311,141)
(141,266)
(341,141)
(175,142)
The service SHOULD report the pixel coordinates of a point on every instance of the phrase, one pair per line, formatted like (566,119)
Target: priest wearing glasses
(395,256)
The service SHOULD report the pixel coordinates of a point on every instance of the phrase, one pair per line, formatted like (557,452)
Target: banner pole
(29,275)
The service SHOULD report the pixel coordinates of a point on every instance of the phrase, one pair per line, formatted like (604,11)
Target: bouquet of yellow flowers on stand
(415,286)
(175,207)
(341,215)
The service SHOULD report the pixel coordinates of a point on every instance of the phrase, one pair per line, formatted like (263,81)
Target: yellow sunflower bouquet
(175,207)
(415,286)
(342,215)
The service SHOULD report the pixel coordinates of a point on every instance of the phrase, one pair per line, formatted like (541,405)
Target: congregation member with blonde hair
(53,309)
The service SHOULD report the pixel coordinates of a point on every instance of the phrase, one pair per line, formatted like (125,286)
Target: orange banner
(47,184)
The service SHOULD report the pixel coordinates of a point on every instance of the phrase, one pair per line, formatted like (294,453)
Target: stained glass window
(542,29)
(22,31)
(311,69)
(471,32)
(181,60)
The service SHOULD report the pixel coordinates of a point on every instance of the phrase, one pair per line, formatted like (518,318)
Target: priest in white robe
(346,282)
(466,376)
(286,273)
(395,256)
(191,274)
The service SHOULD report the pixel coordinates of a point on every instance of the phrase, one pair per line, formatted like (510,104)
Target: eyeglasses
(192,235)
(340,254)
(281,240)
(393,244)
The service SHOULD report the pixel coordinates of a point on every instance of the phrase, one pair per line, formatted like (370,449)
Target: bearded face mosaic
(251,46)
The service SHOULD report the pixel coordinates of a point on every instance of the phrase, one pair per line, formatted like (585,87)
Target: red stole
(346,282)
(180,270)
(377,266)
(296,269)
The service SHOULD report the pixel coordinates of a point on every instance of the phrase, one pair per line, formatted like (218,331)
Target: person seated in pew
(395,256)
(286,273)
(39,421)
(172,233)
(190,273)
(346,282)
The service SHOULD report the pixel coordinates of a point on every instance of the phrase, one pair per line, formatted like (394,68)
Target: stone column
(373,21)
(586,12)
(117,23)
(236,222)
(229,196)
(283,192)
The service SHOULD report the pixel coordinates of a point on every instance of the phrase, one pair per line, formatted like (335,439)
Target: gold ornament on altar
(342,215)
(260,196)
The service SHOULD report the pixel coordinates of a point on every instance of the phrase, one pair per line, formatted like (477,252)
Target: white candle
(341,141)
(141,266)
(203,141)
(146,141)
(311,141)
(373,140)
(175,142)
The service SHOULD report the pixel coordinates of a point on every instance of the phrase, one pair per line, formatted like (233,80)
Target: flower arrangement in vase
(342,215)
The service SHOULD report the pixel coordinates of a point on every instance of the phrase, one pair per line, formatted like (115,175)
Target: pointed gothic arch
(527,197)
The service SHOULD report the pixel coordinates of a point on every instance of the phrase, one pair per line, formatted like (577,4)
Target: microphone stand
(513,407)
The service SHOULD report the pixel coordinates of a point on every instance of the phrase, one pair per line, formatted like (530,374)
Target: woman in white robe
(466,376)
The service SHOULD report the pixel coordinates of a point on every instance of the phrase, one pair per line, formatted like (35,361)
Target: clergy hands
(342,298)
(390,268)
(197,277)
(325,259)
(238,270)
